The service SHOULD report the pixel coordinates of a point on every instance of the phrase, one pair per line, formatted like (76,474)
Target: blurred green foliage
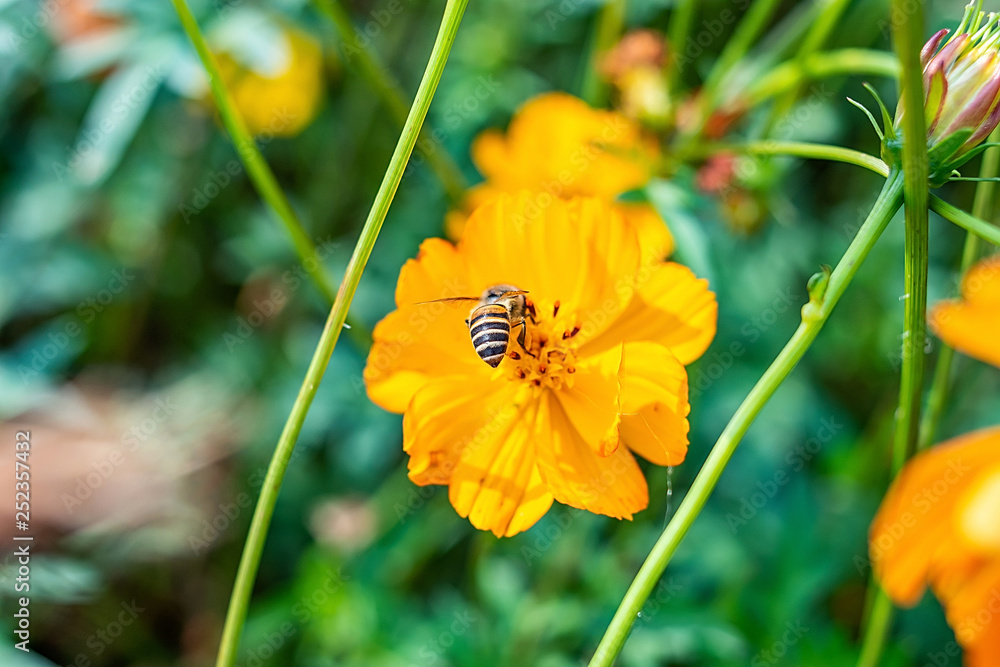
(362,567)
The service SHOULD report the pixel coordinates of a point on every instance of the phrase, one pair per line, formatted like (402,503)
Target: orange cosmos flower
(601,375)
(971,325)
(559,146)
(938,525)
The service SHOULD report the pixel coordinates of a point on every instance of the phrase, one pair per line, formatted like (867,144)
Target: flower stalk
(814,316)
(252,551)
(257,168)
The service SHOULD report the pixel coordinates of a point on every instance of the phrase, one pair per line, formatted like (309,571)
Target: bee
(500,309)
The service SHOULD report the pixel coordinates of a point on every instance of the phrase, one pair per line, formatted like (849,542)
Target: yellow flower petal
(970,325)
(655,240)
(654,403)
(914,532)
(452,417)
(979,509)
(592,403)
(578,252)
(578,476)
(671,307)
(535,502)
(493,474)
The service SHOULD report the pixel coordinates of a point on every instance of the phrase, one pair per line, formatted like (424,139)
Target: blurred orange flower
(282,101)
(559,146)
(938,525)
(605,377)
(971,325)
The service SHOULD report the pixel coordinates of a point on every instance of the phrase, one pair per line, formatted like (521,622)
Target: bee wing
(454,299)
(513,293)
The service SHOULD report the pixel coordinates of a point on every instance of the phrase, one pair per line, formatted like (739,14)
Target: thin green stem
(359,55)
(681,19)
(610,23)
(907,31)
(788,75)
(791,148)
(982,206)
(814,316)
(970,223)
(250,560)
(258,170)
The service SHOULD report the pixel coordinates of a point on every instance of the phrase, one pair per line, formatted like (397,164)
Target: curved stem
(250,560)
(970,223)
(750,27)
(258,170)
(374,71)
(814,316)
(907,31)
(791,148)
(937,398)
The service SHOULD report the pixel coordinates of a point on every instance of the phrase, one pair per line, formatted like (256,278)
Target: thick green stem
(610,23)
(907,31)
(982,206)
(254,547)
(258,170)
(814,316)
(366,61)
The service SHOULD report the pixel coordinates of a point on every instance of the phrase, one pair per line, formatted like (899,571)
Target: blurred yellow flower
(559,146)
(281,102)
(601,374)
(971,325)
(938,525)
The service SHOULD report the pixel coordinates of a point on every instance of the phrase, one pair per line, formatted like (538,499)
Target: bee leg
(530,307)
(520,338)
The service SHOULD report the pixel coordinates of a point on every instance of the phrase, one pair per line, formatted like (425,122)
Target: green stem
(970,223)
(792,148)
(814,316)
(610,23)
(250,560)
(258,170)
(982,205)
(681,19)
(907,31)
(367,62)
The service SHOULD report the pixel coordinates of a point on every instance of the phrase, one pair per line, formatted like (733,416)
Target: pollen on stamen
(571,333)
(555,309)
(514,355)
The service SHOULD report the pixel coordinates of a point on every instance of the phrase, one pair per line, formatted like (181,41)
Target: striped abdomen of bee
(489,326)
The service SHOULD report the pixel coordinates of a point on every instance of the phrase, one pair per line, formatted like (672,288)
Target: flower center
(548,359)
